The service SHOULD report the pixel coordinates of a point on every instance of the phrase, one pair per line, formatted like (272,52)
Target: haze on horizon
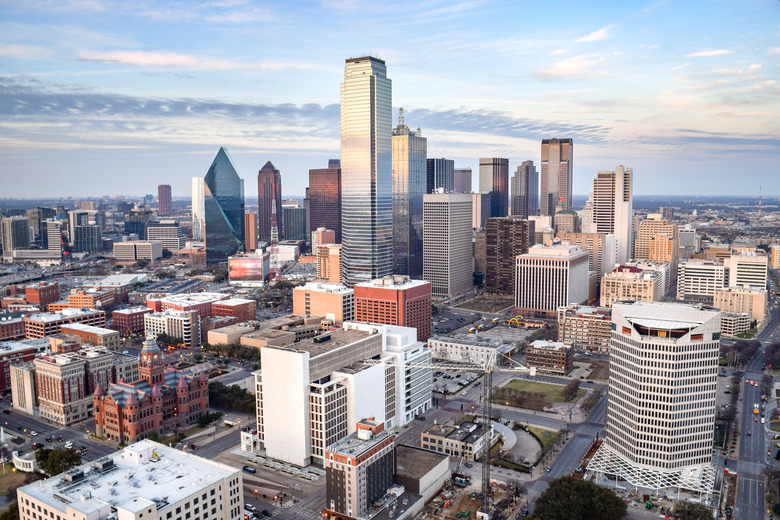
(105,97)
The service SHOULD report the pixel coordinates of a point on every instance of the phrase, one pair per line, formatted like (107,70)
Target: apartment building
(628,283)
(45,324)
(584,327)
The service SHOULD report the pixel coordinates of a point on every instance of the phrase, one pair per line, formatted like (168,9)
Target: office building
(440,175)
(543,229)
(334,301)
(461,348)
(95,336)
(198,208)
(774,256)
(130,320)
(480,206)
(269,189)
(294,218)
(325,198)
(734,324)
(410,150)
(525,190)
(611,201)
(657,239)
(359,470)
(16,233)
(250,231)
(628,283)
(550,357)
(494,178)
(505,239)
(156,481)
(224,208)
(461,180)
(549,278)
(480,254)
(585,328)
(601,249)
(664,269)
(742,300)
(698,279)
(329,262)
(42,294)
(86,239)
(54,239)
(747,268)
(660,421)
(556,175)
(243,309)
(690,242)
(137,250)
(11,328)
(12,353)
(447,257)
(45,324)
(169,233)
(366,171)
(164,205)
(38,217)
(162,400)
(183,325)
(465,440)
(311,394)
(567,222)
(395,300)
(136,221)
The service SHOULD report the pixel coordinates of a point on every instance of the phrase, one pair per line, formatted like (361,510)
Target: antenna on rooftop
(759,202)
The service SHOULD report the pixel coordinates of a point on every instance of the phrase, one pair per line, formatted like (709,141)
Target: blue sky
(104,97)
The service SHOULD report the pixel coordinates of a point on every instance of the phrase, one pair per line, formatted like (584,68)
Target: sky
(105,97)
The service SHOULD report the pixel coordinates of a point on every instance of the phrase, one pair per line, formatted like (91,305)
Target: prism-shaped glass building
(224,209)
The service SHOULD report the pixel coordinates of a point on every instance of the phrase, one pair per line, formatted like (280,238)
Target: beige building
(137,250)
(657,239)
(60,382)
(742,300)
(626,283)
(747,268)
(464,440)
(329,262)
(265,337)
(734,324)
(698,279)
(550,357)
(551,277)
(334,301)
(230,335)
(447,253)
(179,324)
(601,248)
(23,395)
(664,269)
(774,256)
(585,328)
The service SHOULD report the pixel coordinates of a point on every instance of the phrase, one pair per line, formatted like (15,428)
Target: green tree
(231,397)
(153,436)
(57,460)
(166,253)
(576,499)
(691,511)
(12,513)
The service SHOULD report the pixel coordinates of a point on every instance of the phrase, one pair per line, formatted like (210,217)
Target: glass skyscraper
(366,171)
(410,150)
(224,209)
(494,178)
(556,178)
(525,190)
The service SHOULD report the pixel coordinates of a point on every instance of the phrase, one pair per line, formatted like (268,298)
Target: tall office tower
(224,205)
(440,174)
(612,205)
(410,151)
(54,240)
(550,277)
(250,231)
(774,256)
(164,199)
(525,190)
(567,222)
(367,171)
(660,420)
(325,198)
(690,242)
(135,221)
(494,178)
(198,208)
(447,257)
(38,218)
(586,218)
(601,249)
(269,188)
(505,239)
(556,178)
(747,268)
(657,239)
(16,233)
(667,213)
(84,235)
(698,279)
(395,300)
(294,222)
(480,208)
(461,180)
(169,232)
(329,262)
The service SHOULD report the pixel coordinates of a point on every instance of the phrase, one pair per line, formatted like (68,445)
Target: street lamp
(255,494)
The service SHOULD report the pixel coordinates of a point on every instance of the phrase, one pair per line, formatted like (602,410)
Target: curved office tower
(224,209)
(366,171)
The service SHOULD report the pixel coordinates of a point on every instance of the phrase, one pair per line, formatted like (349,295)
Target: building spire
(401,117)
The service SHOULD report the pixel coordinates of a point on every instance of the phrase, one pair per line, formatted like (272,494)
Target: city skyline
(84,92)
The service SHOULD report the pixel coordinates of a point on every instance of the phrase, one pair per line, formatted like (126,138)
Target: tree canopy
(231,397)
(57,460)
(691,511)
(576,499)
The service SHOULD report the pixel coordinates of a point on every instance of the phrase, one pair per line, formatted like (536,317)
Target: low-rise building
(465,440)
(733,324)
(178,324)
(334,301)
(130,320)
(550,357)
(90,298)
(137,250)
(145,480)
(97,336)
(420,471)
(11,328)
(741,300)
(11,353)
(240,308)
(468,349)
(585,328)
(45,324)
(627,283)
(230,335)
(42,294)
(395,300)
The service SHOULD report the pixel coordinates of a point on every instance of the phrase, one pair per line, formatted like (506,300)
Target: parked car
(6,411)
(249,470)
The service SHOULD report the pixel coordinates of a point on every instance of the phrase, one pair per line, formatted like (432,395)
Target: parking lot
(446,321)
(453,381)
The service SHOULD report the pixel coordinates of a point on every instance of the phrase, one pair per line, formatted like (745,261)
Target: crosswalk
(303,512)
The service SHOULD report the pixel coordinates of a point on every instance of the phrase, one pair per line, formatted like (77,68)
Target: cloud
(773,51)
(558,52)
(575,66)
(159,59)
(717,52)
(684,65)
(23,52)
(596,35)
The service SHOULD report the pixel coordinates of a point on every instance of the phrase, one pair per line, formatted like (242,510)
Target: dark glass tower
(269,187)
(525,190)
(494,178)
(224,208)
(440,174)
(325,198)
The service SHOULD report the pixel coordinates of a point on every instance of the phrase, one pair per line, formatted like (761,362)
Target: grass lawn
(747,335)
(10,479)
(531,394)
(547,437)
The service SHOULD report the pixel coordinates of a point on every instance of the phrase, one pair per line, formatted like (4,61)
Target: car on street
(68,445)
(250,507)
(6,411)
(194,447)
(34,433)
(249,470)
(469,465)
(749,434)
(49,439)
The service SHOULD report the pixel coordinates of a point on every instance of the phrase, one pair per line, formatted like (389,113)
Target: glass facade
(224,209)
(441,174)
(556,178)
(198,208)
(325,198)
(294,223)
(525,190)
(366,170)
(269,187)
(410,150)
(494,178)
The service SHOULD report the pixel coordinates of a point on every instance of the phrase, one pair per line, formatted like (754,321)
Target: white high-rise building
(198,208)
(662,390)
(612,209)
(747,268)
(366,171)
(447,256)
(697,279)
(549,278)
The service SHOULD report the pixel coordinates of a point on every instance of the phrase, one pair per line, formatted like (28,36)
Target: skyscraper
(525,190)
(612,208)
(410,150)
(198,208)
(294,223)
(556,179)
(505,239)
(164,199)
(269,188)
(325,198)
(494,178)
(366,169)
(224,208)
(462,180)
(447,257)
(250,231)
(16,233)
(440,174)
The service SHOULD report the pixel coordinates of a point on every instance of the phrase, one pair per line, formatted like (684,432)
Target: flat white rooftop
(64,314)
(193,298)
(92,329)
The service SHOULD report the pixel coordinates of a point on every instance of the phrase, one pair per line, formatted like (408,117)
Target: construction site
(462,498)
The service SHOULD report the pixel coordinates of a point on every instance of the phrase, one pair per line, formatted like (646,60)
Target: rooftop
(11,347)
(121,279)
(319,345)
(132,310)
(549,345)
(326,287)
(64,314)
(232,302)
(415,462)
(142,474)
(466,431)
(91,329)
(193,298)
(358,443)
(475,341)
(393,282)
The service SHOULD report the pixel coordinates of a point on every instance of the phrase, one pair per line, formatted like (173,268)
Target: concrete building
(242,309)
(329,262)
(178,324)
(627,283)
(657,239)
(480,210)
(690,242)
(137,250)
(660,420)
(567,222)
(447,257)
(774,256)
(249,270)
(421,471)
(96,336)
(130,319)
(462,180)
(556,175)
(664,269)
(742,300)
(550,277)
(230,335)
(494,179)
(45,324)
(359,470)
(157,481)
(734,324)
(11,353)
(395,300)
(311,394)
(601,249)
(505,239)
(747,268)
(468,349)
(24,398)
(550,357)
(332,300)
(168,233)
(585,328)
(612,205)
(465,440)
(698,279)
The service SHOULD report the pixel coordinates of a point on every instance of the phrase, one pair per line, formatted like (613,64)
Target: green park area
(533,395)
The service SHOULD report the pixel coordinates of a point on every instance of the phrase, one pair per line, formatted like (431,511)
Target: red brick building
(42,294)
(395,300)
(240,308)
(11,328)
(11,354)
(162,399)
(130,320)
(46,324)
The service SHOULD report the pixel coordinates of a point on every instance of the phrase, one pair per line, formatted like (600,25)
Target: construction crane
(487,368)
